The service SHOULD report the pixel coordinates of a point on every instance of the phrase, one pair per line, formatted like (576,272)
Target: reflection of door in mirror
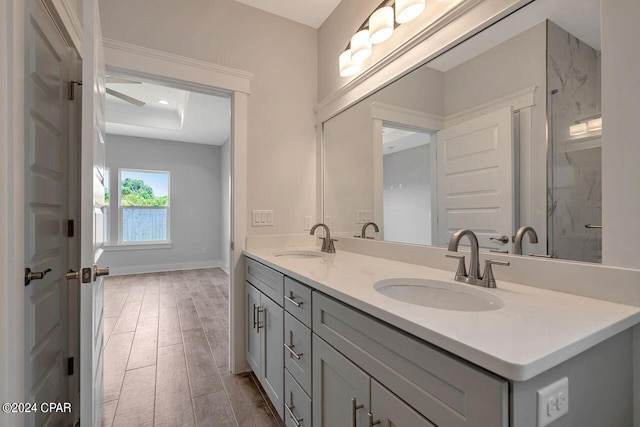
(407,168)
(475,184)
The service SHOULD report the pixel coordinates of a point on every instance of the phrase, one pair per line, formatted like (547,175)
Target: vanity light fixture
(360,46)
(408,10)
(381,25)
(163,102)
(377,28)
(347,66)
(594,124)
(578,129)
(587,125)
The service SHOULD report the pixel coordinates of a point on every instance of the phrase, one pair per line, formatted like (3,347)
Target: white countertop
(536,330)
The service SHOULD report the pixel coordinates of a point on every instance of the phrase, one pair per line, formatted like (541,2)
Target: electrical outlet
(308,222)
(553,402)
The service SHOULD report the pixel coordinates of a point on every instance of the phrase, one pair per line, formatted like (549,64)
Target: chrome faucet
(474,277)
(522,231)
(327,241)
(363,234)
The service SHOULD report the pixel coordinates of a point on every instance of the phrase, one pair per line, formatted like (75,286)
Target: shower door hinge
(70,366)
(71,89)
(71,228)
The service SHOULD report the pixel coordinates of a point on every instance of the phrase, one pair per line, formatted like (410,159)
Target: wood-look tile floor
(166,354)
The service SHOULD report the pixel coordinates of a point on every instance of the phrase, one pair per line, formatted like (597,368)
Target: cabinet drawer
(297,405)
(265,279)
(298,338)
(444,389)
(297,293)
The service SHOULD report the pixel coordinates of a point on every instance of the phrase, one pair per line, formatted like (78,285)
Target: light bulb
(347,66)
(360,46)
(408,10)
(381,25)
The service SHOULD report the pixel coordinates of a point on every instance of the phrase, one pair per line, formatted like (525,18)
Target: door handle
(99,272)
(72,274)
(501,239)
(34,275)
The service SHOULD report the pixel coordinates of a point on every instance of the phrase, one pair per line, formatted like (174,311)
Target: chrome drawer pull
(255,322)
(291,414)
(354,409)
(261,310)
(292,301)
(293,353)
(371,422)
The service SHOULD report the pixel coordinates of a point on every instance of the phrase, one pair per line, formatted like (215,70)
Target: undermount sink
(441,295)
(299,254)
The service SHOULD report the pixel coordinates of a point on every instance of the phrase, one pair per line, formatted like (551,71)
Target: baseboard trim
(157,268)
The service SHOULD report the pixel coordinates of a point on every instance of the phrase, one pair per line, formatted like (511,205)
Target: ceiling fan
(127,98)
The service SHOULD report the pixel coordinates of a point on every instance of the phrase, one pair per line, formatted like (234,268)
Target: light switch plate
(262,218)
(553,402)
(363,216)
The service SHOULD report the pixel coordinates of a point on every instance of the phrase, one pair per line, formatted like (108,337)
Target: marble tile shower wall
(575,178)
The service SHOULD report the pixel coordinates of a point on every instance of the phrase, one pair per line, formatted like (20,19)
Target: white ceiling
(395,140)
(308,12)
(579,17)
(189,116)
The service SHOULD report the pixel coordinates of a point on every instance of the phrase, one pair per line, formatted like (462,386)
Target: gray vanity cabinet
(390,410)
(265,326)
(338,385)
(252,344)
(265,329)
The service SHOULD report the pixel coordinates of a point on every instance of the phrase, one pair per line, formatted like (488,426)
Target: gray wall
(195,203)
(407,196)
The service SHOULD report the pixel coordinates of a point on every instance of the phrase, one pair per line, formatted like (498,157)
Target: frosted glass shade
(408,10)
(360,46)
(594,124)
(577,129)
(347,66)
(381,25)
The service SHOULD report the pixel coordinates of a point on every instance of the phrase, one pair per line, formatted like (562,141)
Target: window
(144,206)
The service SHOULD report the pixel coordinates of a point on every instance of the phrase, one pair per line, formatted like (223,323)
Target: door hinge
(71,228)
(71,89)
(231,246)
(70,366)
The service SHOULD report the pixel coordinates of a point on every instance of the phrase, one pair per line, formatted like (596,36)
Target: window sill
(137,246)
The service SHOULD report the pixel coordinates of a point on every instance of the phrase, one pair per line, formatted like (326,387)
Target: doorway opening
(407,169)
(167,241)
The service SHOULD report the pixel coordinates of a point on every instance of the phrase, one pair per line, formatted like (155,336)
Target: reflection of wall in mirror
(407,195)
(348,148)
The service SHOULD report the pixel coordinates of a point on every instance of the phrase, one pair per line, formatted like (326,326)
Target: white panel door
(46,140)
(475,179)
(92,204)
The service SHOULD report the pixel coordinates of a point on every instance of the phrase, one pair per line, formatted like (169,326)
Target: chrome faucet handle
(324,243)
(499,251)
(462,269)
(489,281)
(331,248)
